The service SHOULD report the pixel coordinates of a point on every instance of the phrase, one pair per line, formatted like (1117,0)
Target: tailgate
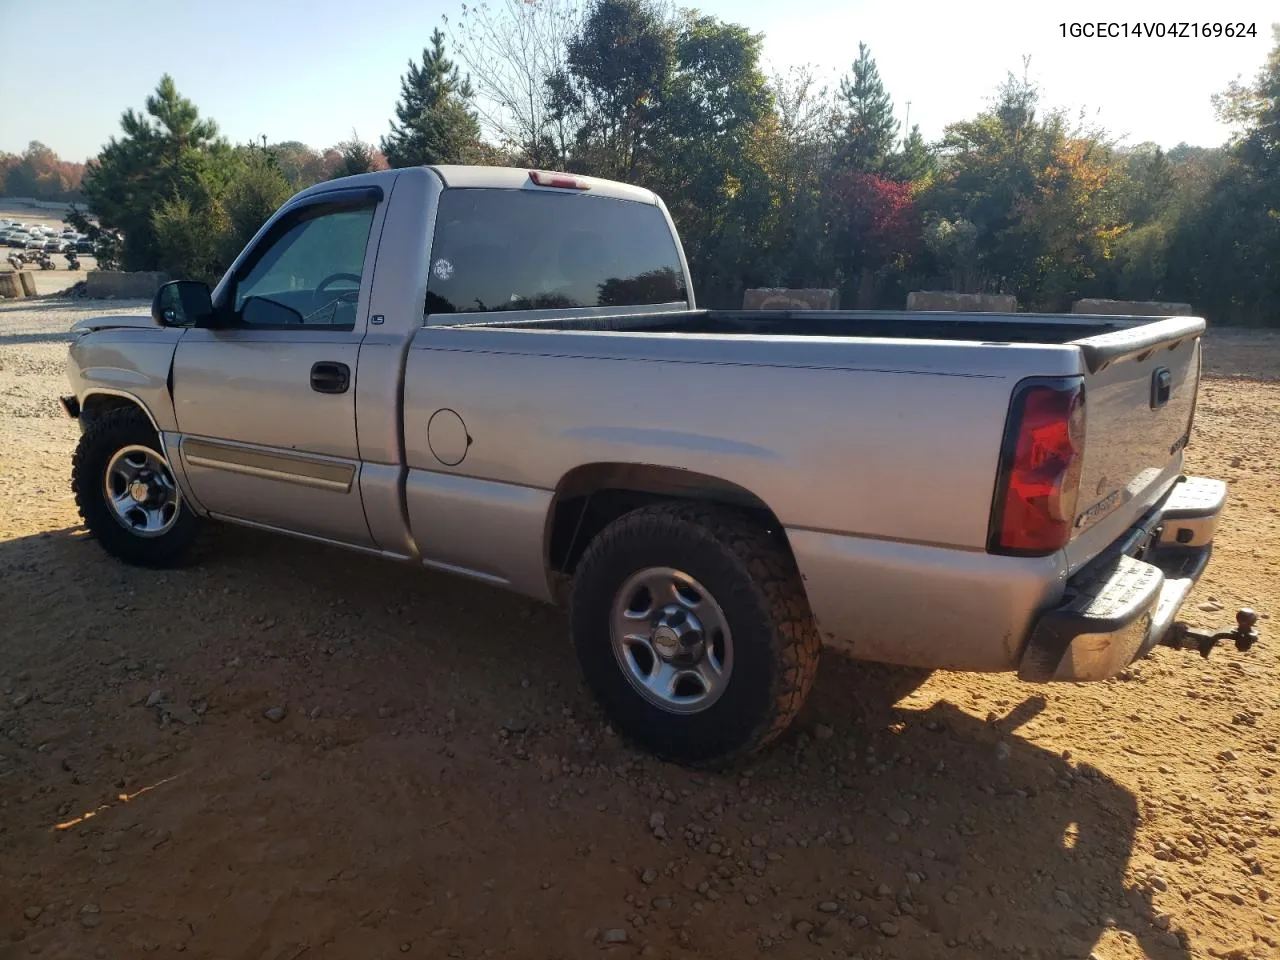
(1140,389)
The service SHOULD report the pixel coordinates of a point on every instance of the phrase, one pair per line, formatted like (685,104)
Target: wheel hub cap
(140,491)
(677,636)
(671,640)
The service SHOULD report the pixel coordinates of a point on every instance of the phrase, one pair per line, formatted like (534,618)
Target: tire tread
(796,643)
(113,430)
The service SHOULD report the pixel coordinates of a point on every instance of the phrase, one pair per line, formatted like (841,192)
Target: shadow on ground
(439,778)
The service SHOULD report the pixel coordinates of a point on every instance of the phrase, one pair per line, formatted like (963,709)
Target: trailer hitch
(1183,637)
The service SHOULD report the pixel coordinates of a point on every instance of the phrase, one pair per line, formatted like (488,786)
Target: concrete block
(11,285)
(781,298)
(962,302)
(108,284)
(1132,308)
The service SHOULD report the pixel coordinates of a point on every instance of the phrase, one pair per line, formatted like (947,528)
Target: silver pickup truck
(503,374)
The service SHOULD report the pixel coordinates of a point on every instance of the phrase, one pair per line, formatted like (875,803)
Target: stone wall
(781,298)
(1132,308)
(109,284)
(962,302)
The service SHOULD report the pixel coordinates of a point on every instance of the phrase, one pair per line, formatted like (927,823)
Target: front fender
(131,363)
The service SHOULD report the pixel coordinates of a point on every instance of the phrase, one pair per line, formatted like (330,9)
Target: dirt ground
(286,752)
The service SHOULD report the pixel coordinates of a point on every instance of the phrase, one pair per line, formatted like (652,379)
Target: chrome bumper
(1122,604)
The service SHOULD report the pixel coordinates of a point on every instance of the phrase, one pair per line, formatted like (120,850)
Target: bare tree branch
(510,47)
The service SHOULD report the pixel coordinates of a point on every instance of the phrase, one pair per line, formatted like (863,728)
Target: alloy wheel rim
(671,640)
(141,492)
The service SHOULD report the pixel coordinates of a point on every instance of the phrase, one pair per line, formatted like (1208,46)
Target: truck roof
(515,178)
(509,178)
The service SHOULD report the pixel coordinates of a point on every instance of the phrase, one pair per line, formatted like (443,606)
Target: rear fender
(592,495)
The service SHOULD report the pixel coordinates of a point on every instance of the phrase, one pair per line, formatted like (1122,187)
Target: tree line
(771,180)
(38,173)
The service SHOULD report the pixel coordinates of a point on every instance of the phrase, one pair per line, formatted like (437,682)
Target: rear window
(497,250)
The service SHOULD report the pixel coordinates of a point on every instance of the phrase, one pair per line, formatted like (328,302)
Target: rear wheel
(126,492)
(693,631)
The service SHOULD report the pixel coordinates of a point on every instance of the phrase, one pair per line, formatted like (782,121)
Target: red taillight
(1040,469)
(545,178)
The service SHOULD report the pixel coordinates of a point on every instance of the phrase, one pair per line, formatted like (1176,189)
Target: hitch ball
(1246,636)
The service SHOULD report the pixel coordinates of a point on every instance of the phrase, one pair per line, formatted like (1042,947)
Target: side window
(498,250)
(310,272)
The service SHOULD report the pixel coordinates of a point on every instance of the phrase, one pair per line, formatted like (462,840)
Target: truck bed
(964,367)
(882,324)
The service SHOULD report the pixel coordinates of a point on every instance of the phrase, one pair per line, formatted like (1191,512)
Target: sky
(315,70)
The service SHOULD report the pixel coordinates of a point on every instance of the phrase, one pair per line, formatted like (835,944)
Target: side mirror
(182,303)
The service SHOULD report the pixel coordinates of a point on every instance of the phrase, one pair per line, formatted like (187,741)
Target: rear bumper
(1121,605)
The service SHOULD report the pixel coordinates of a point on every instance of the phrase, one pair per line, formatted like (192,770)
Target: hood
(90,324)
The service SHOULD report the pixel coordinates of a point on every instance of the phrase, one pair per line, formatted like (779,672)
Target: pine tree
(914,161)
(867,127)
(436,123)
(167,151)
(357,157)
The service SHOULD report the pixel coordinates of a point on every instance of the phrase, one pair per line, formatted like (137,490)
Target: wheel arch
(98,401)
(593,495)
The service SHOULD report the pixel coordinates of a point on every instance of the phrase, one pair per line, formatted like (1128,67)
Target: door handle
(328,376)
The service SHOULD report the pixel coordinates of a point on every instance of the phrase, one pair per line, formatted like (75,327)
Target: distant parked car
(84,245)
(35,243)
(55,245)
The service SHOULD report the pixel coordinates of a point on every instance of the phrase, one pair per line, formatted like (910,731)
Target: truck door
(265,401)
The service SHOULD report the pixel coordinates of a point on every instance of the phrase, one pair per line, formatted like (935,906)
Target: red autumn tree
(874,225)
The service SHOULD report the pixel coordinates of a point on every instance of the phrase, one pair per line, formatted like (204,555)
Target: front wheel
(693,631)
(126,492)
